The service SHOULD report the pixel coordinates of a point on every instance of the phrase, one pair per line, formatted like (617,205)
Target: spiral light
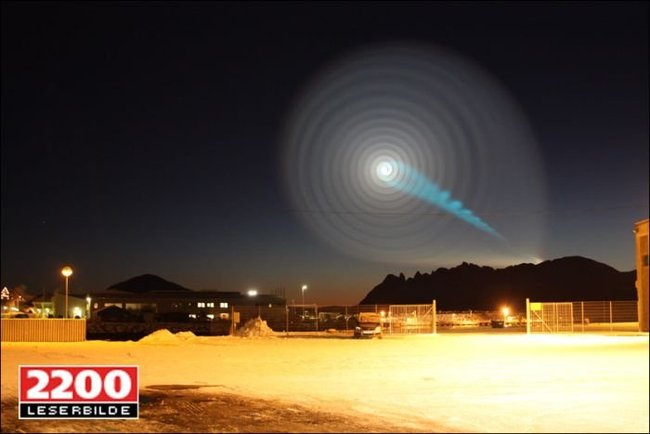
(413,154)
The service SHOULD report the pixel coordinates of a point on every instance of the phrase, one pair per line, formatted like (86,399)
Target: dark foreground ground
(181,409)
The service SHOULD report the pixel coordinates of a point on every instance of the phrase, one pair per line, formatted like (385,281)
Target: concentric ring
(376,111)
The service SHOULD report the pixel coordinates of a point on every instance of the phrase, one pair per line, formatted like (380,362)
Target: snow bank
(165,337)
(255,327)
(186,336)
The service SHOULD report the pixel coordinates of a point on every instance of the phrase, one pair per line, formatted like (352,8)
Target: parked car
(368,325)
(19,315)
(498,323)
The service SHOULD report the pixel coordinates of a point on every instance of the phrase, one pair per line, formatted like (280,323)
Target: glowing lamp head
(66,271)
(252,292)
(505,311)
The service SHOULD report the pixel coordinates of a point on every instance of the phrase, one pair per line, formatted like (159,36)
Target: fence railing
(308,317)
(587,316)
(581,316)
(43,330)
(412,318)
(395,319)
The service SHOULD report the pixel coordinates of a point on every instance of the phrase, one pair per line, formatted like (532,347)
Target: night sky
(147,137)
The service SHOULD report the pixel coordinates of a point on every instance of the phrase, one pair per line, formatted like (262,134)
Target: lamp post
(304,287)
(505,311)
(253,293)
(67,272)
(88,300)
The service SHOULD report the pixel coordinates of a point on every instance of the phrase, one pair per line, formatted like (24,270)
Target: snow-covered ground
(463,382)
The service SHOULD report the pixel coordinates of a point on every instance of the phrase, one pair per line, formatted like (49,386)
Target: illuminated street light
(67,272)
(505,310)
(88,300)
(304,287)
(253,293)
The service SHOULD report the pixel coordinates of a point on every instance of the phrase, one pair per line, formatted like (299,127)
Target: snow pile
(185,336)
(162,336)
(255,327)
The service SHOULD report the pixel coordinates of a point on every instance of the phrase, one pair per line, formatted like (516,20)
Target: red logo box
(78,391)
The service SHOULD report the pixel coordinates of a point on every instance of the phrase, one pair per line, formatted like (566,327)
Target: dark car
(498,323)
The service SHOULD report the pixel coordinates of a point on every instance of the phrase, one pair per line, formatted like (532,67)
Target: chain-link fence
(465,318)
(581,316)
(396,319)
(411,319)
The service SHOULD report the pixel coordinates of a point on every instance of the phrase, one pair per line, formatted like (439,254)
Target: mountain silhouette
(470,286)
(147,283)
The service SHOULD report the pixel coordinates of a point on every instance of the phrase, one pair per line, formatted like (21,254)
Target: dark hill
(147,283)
(470,286)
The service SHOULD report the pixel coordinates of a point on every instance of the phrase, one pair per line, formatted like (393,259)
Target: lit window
(192,315)
(200,304)
(223,316)
(223,305)
(210,304)
(210,315)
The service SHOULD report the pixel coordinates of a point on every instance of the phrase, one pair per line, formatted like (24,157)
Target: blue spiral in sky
(418,185)
(414,154)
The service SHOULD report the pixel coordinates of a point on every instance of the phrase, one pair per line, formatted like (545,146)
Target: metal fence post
(582,315)
(232,320)
(527,316)
(434,317)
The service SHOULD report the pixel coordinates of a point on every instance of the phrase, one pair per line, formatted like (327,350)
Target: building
(180,305)
(44,306)
(77,306)
(151,298)
(641,235)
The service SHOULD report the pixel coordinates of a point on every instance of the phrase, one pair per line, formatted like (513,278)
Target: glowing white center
(384,170)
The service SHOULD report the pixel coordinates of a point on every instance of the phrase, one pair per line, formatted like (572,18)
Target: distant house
(77,306)
(43,305)
(52,305)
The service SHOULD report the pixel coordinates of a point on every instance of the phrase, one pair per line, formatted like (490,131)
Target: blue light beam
(410,181)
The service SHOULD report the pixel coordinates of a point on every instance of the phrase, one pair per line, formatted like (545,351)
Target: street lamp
(304,287)
(88,300)
(505,311)
(253,293)
(67,272)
